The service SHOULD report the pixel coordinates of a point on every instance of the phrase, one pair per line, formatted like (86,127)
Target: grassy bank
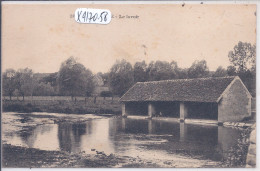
(14,157)
(63,105)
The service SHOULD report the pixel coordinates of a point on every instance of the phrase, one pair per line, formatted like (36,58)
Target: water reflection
(43,137)
(132,137)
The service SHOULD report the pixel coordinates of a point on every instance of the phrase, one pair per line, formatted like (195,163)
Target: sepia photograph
(128,85)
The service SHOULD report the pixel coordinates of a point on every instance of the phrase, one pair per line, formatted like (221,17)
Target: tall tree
(26,82)
(160,70)
(74,79)
(243,56)
(9,82)
(175,70)
(121,77)
(243,59)
(140,74)
(198,69)
(231,71)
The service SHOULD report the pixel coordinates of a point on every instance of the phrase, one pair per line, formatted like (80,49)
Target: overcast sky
(42,36)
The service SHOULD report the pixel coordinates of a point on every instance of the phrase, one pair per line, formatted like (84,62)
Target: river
(154,140)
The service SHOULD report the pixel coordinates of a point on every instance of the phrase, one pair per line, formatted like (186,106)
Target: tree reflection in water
(69,136)
(129,136)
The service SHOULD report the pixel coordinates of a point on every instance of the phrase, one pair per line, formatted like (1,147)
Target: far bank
(62,104)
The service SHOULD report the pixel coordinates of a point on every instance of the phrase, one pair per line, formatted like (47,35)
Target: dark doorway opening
(199,110)
(167,109)
(137,108)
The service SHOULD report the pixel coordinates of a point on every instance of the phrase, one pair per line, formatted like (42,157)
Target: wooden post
(151,110)
(183,111)
(124,113)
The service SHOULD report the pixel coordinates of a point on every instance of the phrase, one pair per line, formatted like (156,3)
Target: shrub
(106,94)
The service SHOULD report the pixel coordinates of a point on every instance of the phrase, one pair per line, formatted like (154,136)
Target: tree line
(73,79)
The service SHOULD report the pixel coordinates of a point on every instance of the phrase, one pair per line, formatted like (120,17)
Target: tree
(26,83)
(198,69)
(140,74)
(231,71)
(43,89)
(220,72)
(160,70)
(51,79)
(9,82)
(74,79)
(183,73)
(121,77)
(243,59)
(243,56)
(105,94)
(175,70)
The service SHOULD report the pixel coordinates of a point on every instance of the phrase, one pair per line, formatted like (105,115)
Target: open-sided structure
(219,98)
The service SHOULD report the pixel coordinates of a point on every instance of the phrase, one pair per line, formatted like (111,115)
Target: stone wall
(251,155)
(235,104)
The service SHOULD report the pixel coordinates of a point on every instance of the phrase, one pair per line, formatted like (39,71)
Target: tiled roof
(196,90)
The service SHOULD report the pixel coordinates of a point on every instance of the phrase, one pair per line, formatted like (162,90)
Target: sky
(42,36)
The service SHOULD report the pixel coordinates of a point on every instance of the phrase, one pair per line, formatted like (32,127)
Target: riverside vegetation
(63,104)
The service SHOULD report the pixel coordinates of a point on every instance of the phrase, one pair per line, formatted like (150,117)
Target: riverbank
(81,106)
(14,156)
(21,157)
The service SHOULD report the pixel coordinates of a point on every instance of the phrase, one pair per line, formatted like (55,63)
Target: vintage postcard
(128,85)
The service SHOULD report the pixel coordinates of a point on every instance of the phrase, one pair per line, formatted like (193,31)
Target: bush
(12,107)
(106,94)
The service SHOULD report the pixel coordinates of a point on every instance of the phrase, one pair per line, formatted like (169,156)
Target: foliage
(243,59)
(220,72)
(74,79)
(98,80)
(43,89)
(9,82)
(26,83)
(231,71)
(183,73)
(106,94)
(243,56)
(50,79)
(161,70)
(198,69)
(121,77)
(249,80)
(237,154)
(104,76)
(140,74)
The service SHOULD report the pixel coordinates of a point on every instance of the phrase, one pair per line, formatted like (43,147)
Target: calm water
(131,137)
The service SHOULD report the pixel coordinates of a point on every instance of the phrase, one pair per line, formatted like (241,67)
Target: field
(62,104)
